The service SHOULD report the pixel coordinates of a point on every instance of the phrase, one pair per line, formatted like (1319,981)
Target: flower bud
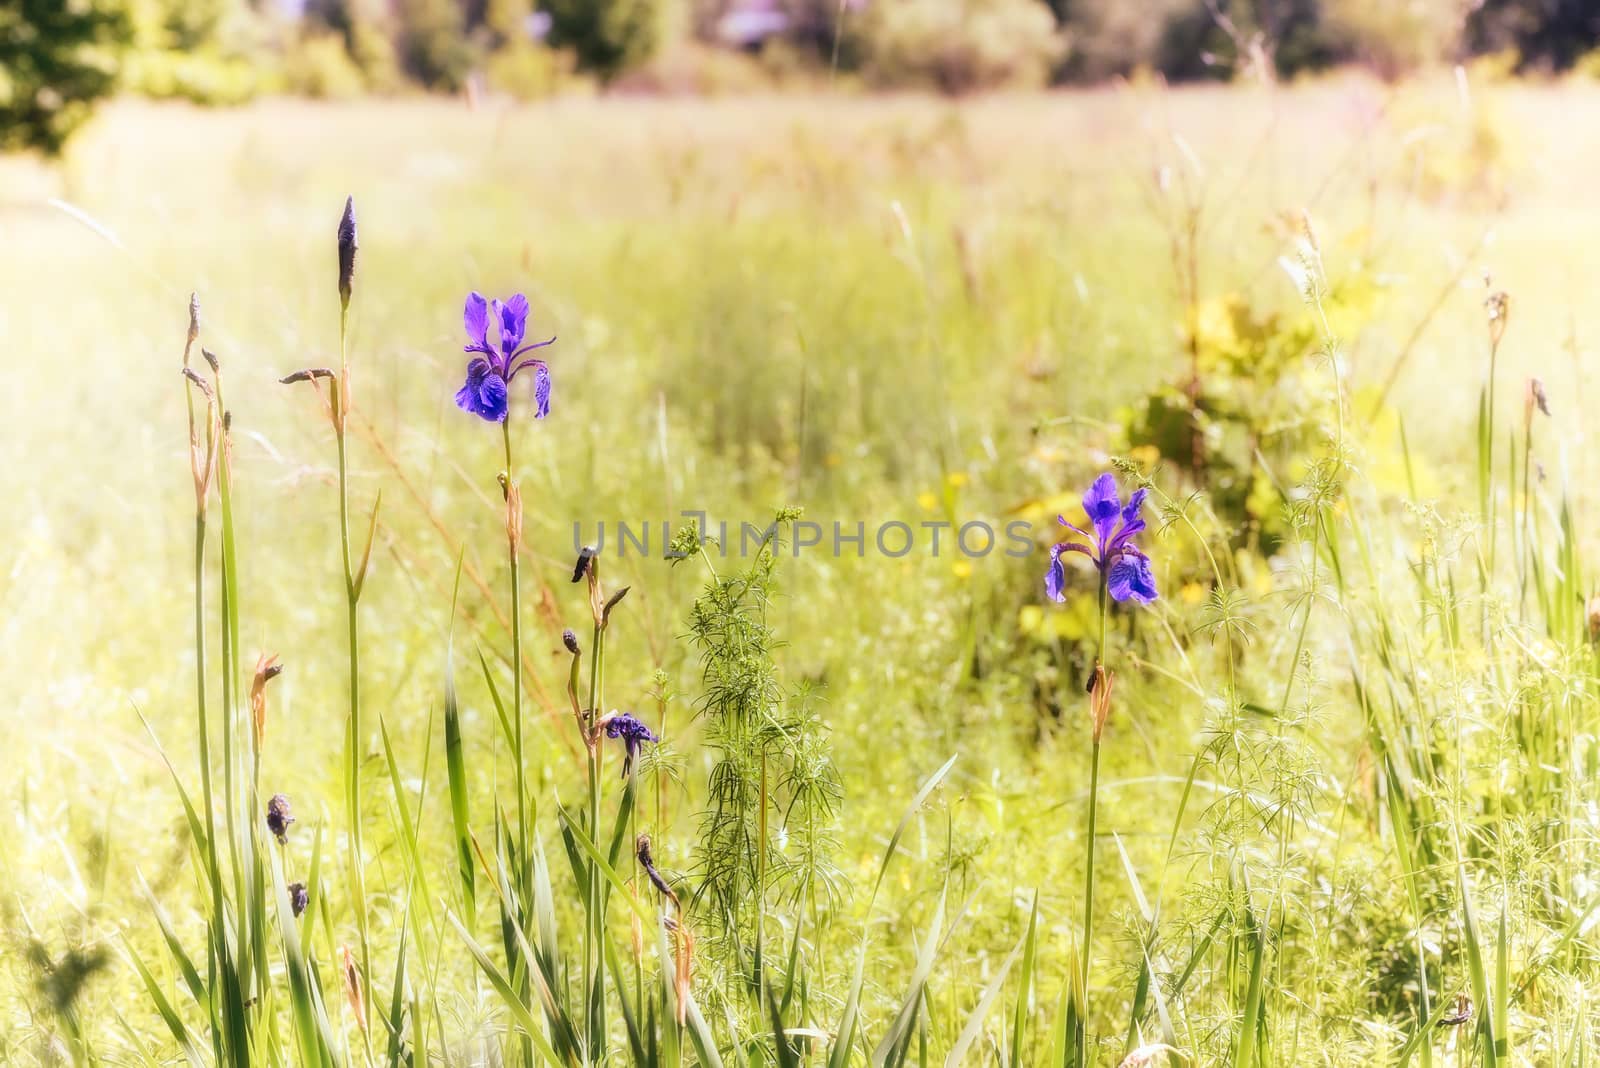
(347,251)
(279,817)
(570,640)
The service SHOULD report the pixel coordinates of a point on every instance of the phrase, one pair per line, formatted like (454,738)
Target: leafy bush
(318,66)
(432,43)
(529,71)
(986,44)
(608,36)
(55,61)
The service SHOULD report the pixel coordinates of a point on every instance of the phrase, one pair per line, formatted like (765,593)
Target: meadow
(1339,805)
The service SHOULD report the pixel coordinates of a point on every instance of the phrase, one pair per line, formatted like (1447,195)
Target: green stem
(516,658)
(353,732)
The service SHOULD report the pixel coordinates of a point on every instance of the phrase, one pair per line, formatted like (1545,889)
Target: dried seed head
(1461,1014)
(299,898)
(1100,685)
(211,358)
(267,669)
(199,383)
(352,986)
(1537,398)
(310,374)
(279,817)
(570,640)
(347,251)
(513,517)
(194,318)
(1498,307)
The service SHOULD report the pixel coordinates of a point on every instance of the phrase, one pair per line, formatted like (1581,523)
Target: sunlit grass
(894,309)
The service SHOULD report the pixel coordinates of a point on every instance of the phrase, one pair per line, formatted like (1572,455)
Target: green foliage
(319,66)
(207,53)
(607,36)
(432,44)
(958,48)
(56,60)
(773,780)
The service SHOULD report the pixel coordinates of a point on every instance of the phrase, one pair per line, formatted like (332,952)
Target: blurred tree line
(57,56)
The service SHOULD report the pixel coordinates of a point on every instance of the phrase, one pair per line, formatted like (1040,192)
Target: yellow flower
(1146,456)
(1192,593)
(962,569)
(956,479)
(927,501)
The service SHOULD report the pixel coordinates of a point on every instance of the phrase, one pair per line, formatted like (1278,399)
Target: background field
(896,308)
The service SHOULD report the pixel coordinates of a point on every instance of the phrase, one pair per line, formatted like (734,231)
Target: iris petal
(541,390)
(1103,504)
(1055,580)
(1130,579)
(513,323)
(476,319)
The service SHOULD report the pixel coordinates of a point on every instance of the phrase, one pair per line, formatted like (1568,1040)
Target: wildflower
(632,731)
(299,897)
(1123,566)
(492,370)
(1146,1055)
(279,818)
(570,639)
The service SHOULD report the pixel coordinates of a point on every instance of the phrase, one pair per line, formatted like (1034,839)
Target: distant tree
(432,40)
(56,60)
(1547,34)
(607,36)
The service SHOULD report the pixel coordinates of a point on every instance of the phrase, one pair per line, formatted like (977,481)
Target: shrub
(959,48)
(607,36)
(529,71)
(56,60)
(318,66)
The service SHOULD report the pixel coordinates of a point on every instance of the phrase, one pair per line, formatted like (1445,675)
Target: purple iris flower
(1123,566)
(633,733)
(491,371)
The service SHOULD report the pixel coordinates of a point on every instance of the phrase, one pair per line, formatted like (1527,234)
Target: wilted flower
(279,817)
(267,669)
(632,731)
(352,986)
(1497,306)
(1123,566)
(1535,399)
(299,898)
(1100,684)
(497,364)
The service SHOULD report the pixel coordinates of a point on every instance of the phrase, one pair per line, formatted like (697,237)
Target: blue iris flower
(633,733)
(491,371)
(1123,566)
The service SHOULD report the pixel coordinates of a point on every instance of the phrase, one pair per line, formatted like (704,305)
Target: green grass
(1349,772)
